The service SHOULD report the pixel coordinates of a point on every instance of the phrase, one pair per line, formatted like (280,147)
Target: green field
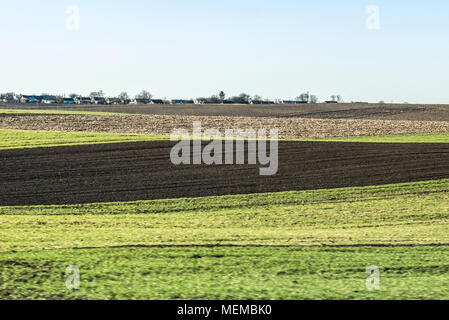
(37,112)
(290,245)
(407,138)
(228,273)
(19,139)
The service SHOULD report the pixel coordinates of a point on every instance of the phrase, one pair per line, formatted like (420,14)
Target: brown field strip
(289,128)
(143,171)
(373,111)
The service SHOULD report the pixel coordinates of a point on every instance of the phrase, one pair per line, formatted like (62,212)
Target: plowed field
(143,171)
(289,128)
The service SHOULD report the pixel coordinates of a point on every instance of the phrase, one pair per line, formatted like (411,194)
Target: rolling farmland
(224,159)
(98,191)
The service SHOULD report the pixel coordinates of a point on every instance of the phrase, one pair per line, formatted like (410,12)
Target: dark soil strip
(317,111)
(143,171)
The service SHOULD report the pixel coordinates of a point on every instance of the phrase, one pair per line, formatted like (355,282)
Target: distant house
(49,100)
(228,102)
(113,101)
(140,101)
(331,101)
(83,100)
(181,101)
(157,101)
(29,99)
(98,100)
(261,102)
(293,102)
(68,101)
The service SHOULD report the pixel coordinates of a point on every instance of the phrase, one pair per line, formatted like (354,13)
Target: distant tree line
(146,97)
(245,98)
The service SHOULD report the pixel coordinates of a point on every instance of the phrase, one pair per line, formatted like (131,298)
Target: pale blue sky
(194,48)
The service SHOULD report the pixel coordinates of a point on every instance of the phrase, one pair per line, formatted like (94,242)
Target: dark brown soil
(318,111)
(143,171)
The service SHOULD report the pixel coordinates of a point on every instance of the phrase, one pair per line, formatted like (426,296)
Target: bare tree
(243,98)
(123,96)
(10,97)
(313,98)
(74,95)
(214,99)
(144,95)
(222,96)
(202,100)
(304,97)
(97,94)
(257,97)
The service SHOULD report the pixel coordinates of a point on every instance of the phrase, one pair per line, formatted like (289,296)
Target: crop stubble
(289,128)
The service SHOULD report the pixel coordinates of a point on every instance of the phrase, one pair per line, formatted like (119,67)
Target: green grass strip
(19,139)
(406,138)
(61,112)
